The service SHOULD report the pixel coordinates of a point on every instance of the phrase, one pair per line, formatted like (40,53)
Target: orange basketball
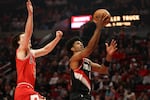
(100,13)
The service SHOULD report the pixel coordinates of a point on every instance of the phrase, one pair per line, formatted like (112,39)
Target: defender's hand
(111,48)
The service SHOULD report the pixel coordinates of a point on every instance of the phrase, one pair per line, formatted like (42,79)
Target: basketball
(101,13)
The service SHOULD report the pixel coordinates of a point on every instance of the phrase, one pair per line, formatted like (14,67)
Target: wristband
(106,63)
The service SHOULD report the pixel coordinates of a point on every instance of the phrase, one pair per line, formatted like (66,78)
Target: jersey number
(34,97)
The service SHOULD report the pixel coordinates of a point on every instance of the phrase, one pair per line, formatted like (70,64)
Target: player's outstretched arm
(110,49)
(93,42)
(49,47)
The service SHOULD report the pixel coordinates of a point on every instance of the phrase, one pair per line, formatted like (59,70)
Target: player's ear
(72,49)
(18,41)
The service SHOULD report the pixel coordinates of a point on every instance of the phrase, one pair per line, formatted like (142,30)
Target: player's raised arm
(100,18)
(28,27)
(49,47)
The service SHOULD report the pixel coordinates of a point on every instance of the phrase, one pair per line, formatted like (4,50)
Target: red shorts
(26,92)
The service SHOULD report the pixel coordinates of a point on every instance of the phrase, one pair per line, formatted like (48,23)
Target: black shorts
(79,96)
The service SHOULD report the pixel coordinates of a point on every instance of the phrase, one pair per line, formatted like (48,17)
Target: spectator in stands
(116,77)
(107,86)
(146,79)
(129,94)
(143,96)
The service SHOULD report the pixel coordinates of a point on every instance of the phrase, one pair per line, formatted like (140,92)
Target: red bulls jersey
(26,69)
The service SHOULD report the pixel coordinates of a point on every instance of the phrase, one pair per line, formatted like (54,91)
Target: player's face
(22,37)
(78,46)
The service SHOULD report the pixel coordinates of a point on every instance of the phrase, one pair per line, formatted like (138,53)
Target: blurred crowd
(129,72)
(47,13)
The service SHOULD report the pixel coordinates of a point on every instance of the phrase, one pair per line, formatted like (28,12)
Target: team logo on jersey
(34,72)
(80,75)
(31,61)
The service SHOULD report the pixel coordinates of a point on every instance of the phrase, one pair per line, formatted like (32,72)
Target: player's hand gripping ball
(102,13)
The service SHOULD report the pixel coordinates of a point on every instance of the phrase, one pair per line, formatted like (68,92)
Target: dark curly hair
(69,44)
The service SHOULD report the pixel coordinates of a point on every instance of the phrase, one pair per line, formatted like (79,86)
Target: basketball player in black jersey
(81,66)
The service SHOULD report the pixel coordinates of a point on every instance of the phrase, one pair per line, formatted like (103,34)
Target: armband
(106,63)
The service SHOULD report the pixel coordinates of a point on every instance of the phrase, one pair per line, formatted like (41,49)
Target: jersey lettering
(86,67)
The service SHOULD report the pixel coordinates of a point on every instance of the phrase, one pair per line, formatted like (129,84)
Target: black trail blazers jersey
(81,77)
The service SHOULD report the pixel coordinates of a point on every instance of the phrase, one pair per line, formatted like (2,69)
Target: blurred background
(129,77)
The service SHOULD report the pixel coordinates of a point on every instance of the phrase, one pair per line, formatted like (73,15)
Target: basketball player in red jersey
(81,66)
(25,59)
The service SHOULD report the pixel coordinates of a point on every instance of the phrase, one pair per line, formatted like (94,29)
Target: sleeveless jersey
(26,70)
(81,78)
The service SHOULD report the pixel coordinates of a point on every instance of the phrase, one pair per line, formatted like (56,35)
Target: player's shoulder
(76,58)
